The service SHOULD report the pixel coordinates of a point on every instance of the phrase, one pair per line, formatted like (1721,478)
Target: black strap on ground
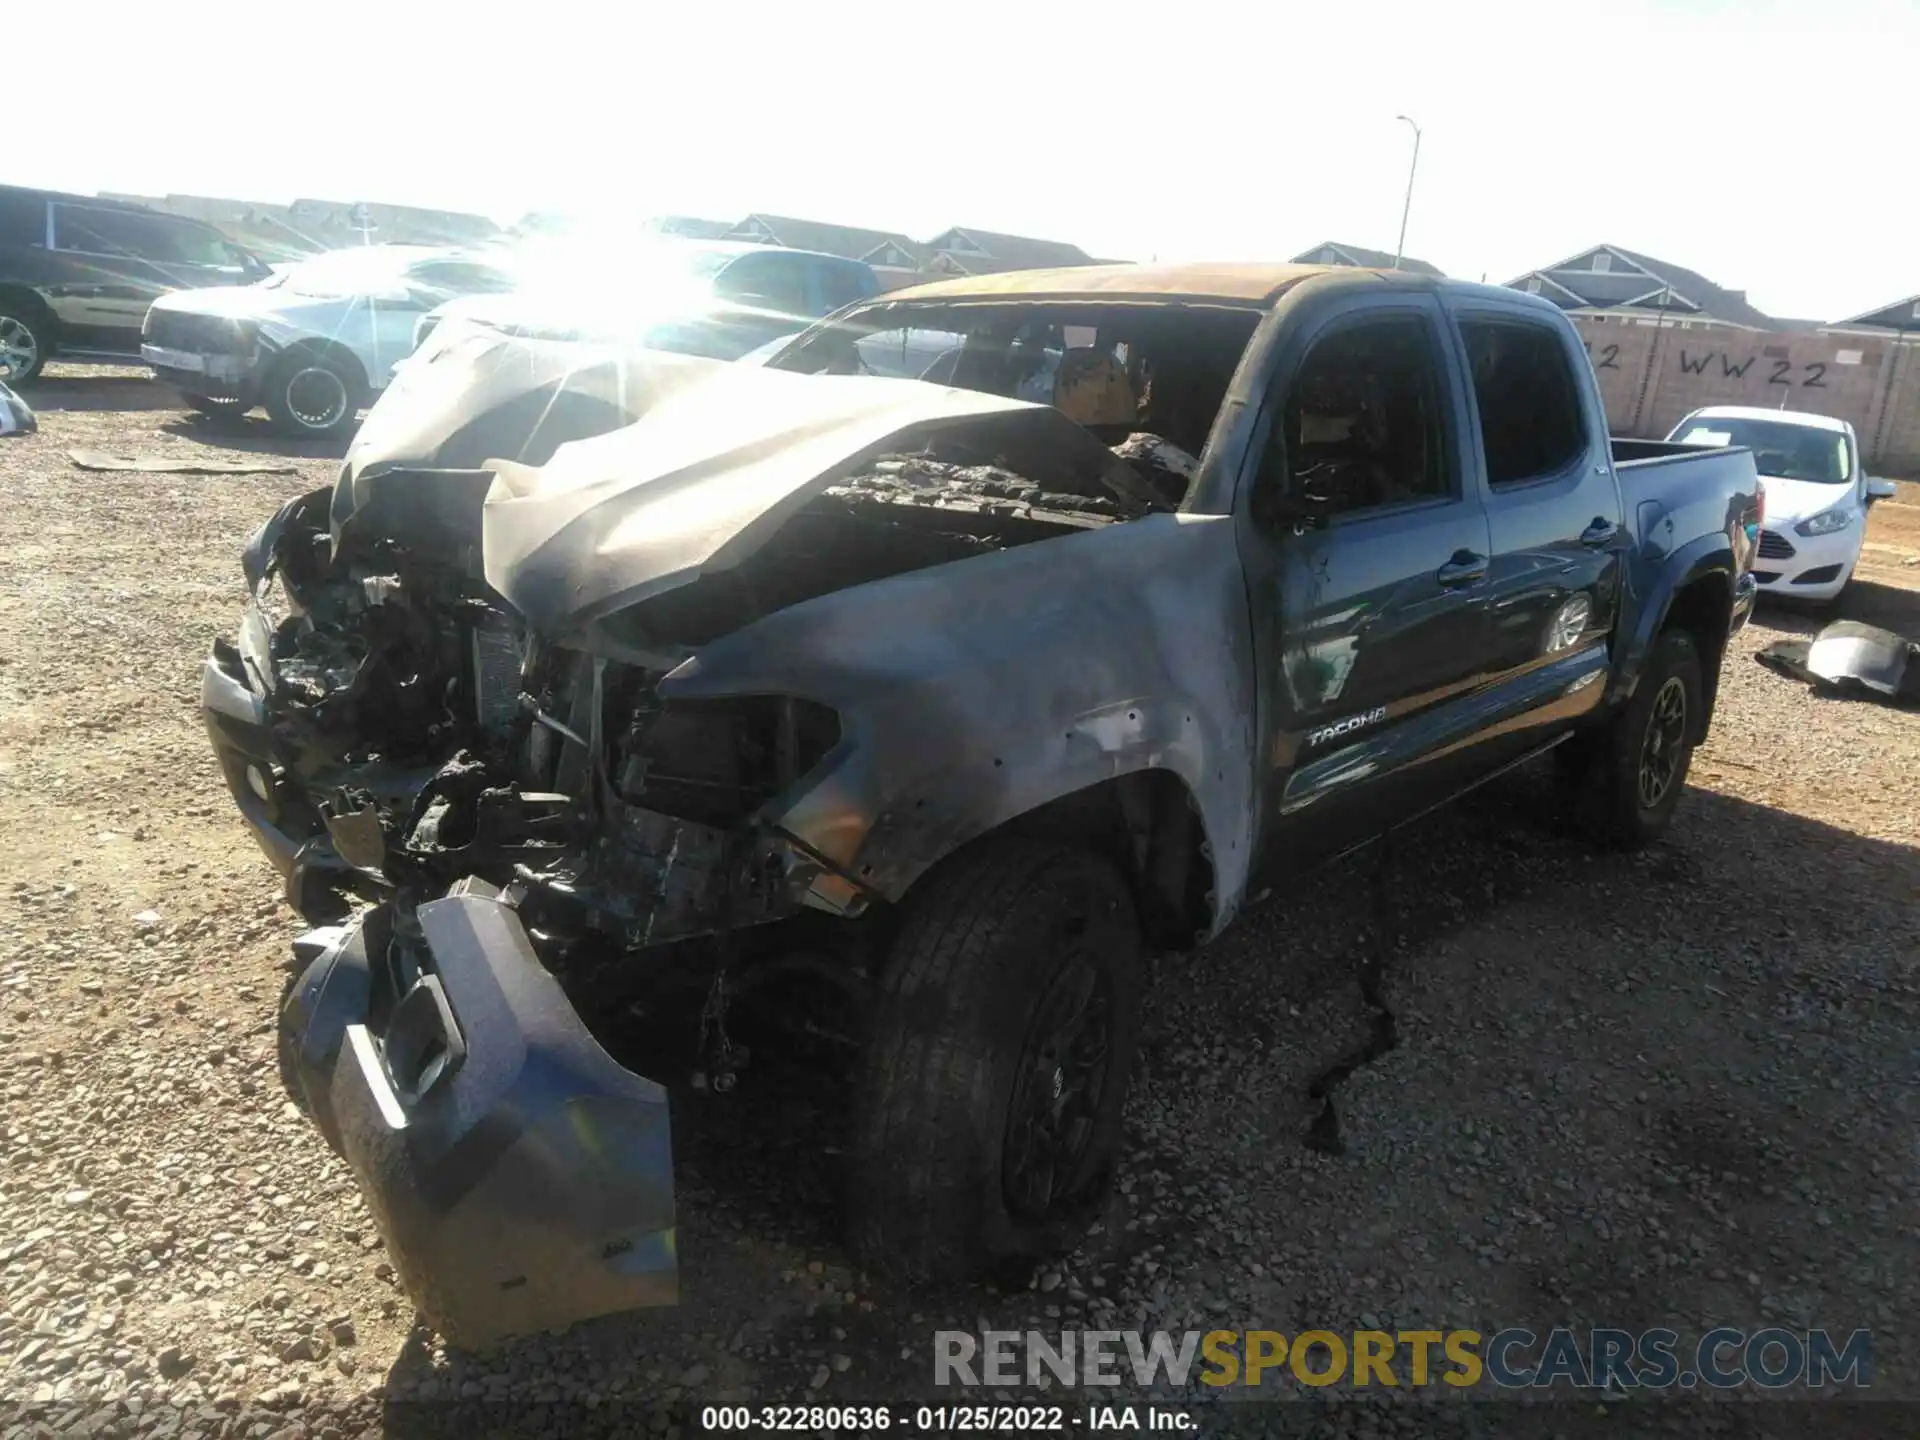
(1323,1133)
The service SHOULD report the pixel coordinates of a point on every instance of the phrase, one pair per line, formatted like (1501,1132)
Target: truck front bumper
(522,1180)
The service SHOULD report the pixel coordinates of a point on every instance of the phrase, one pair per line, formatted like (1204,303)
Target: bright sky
(1769,146)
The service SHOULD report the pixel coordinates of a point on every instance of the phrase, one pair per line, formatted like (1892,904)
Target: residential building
(1608,280)
(963,250)
(896,259)
(1332,252)
(1902,316)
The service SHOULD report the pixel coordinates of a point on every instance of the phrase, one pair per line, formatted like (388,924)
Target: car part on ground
(521,1177)
(181,464)
(16,418)
(1851,659)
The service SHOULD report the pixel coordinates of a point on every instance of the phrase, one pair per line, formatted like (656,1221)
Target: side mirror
(1878,489)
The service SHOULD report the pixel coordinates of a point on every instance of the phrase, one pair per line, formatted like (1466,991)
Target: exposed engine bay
(425,732)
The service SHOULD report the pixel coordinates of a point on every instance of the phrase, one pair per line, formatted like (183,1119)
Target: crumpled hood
(701,479)
(1792,500)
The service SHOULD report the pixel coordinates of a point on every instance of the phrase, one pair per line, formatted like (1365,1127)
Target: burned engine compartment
(425,733)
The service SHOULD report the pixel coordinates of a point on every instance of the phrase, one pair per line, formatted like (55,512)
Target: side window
(105,232)
(1361,425)
(1529,401)
(23,220)
(175,242)
(767,282)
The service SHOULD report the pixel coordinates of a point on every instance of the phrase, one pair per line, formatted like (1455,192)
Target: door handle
(1598,532)
(1464,568)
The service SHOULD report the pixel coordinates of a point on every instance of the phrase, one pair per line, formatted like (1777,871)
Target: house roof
(1247,282)
(1900,315)
(1644,282)
(1360,255)
(849,241)
(1012,251)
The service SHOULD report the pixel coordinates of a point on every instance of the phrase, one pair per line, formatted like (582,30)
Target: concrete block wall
(1652,374)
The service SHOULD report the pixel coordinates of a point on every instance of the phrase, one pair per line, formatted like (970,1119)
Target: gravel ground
(1672,1089)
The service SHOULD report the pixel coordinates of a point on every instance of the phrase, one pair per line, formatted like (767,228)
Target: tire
(312,396)
(25,344)
(1639,760)
(217,405)
(946,1171)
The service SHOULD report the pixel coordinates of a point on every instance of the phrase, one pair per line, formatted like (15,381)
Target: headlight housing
(1826,522)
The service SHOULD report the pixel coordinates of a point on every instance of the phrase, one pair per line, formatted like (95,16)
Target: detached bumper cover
(522,1179)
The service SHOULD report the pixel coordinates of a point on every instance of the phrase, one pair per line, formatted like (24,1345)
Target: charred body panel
(974,693)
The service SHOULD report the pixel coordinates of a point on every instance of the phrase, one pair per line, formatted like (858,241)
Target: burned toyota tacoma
(928,702)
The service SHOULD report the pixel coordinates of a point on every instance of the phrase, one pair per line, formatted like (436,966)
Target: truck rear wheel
(1637,765)
(988,1117)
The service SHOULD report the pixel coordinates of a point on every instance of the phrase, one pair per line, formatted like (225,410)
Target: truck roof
(1804,418)
(1253,283)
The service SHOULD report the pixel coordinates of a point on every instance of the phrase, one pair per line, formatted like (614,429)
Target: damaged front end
(539,739)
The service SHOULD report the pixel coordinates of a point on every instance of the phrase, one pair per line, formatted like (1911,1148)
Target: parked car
(1818,493)
(315,342)
(912,717)
(77,274)
(718,299)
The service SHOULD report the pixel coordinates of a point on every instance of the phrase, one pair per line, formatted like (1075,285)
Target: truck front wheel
(988,1115)
(1637,765)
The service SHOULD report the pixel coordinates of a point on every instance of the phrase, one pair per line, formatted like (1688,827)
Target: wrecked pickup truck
(922,709)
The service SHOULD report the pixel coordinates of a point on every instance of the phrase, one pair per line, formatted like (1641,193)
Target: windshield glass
(1115,368)
(1780,448)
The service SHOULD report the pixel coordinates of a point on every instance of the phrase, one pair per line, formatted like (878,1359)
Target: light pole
(1401,248)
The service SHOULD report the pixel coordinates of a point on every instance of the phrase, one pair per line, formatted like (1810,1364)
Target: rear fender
(1658,580)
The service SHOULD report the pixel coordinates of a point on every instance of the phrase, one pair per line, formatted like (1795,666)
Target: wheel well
(1703,607)
(23,299)
(341,356)
(1147,824)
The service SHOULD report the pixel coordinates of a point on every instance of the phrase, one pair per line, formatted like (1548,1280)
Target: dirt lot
(1670,1089)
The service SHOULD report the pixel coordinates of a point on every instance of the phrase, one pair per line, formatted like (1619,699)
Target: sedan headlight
(1826,522)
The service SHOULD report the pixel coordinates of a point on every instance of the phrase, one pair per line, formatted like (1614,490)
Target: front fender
(974,692)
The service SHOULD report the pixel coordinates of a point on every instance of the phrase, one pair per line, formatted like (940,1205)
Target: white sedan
(1817,493)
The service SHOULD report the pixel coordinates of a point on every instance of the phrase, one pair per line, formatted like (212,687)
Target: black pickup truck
(913,714)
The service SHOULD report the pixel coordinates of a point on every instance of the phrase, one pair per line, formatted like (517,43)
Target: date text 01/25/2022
(987,1419)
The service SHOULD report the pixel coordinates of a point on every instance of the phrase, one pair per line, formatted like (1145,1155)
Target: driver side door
(1367,559)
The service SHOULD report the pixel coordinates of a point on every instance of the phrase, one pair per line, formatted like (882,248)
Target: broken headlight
(719,761)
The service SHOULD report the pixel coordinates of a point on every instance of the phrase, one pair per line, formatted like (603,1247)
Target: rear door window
(1528,398)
